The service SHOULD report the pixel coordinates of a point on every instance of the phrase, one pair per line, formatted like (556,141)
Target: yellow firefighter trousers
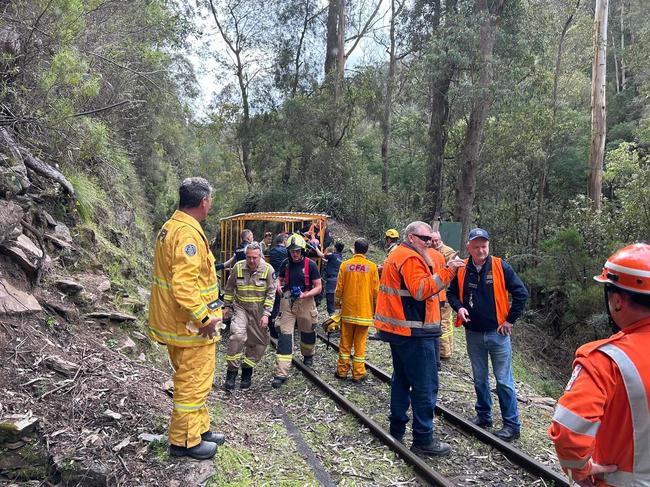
(447,337)
(302,312)
(246,333)
(193,376)
(352,335)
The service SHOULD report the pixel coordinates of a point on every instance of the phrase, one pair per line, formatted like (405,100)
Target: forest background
(474,111)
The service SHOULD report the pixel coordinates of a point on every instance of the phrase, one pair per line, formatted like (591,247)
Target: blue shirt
(332,271)
(478,296)
(277,255)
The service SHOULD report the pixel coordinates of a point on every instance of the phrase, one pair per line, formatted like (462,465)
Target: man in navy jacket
(479,294)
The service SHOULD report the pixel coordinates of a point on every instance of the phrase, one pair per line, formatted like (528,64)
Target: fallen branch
(63,383)
(90,112)
(36,164)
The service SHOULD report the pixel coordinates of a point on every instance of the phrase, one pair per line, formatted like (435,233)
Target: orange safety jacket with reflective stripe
(407,303)
(184,290)
(604,414)
(501,302)
(356,290)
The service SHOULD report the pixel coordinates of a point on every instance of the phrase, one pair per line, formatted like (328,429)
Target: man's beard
(425,255)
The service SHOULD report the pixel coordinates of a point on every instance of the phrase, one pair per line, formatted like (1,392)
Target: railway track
(423,469)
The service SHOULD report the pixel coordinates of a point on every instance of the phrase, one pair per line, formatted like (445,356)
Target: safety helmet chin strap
(612,324)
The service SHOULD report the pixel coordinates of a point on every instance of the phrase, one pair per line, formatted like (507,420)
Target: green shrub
(89,195)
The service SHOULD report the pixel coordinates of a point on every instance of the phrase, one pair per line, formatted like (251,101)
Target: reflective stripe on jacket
(500,292)
(251,290)
(604,414)
(184,283)
(356,290)
(407,303)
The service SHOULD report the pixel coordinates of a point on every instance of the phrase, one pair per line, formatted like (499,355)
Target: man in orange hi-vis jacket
(601,425)
(407,316)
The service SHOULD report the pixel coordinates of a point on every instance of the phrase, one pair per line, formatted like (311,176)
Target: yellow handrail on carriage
(231,226)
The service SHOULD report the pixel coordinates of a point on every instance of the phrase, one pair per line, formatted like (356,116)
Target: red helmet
(629,269)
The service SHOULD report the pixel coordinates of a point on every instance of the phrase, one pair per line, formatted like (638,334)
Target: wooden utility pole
(598,106)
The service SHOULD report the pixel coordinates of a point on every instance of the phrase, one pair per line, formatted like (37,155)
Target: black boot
(202,451)
(246,376)
(277,382)
(434,448)
(231,375)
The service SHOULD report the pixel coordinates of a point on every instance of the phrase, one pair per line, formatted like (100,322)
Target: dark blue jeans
(330,303)
(480,346)
(414,383)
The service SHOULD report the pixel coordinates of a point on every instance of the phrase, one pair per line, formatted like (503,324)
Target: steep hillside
(78,384)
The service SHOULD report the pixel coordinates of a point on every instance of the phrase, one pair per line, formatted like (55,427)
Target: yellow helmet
(392,233)
(333,323)
(296,242)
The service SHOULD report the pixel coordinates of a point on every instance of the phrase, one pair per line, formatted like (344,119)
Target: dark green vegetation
(446,100)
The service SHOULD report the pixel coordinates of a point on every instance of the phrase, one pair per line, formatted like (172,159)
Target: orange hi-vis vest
(356,290)
(438,263)
(499,285)
(407,303)
(604,414)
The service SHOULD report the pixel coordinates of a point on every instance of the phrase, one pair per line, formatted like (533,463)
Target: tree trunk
(286,172)
(466,189)
(335,64)
(388,101)
(244,128)
(438,127)
(623,74)
(541,188)
(598,106)
(296,63)
(332,37)
(438,131)
(335,56)
(616,73)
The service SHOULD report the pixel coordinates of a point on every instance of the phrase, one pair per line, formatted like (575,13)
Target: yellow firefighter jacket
(356,290)
(447,251)
(253,291)
(184,288)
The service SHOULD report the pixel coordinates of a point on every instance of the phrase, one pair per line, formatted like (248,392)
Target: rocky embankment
(80,402)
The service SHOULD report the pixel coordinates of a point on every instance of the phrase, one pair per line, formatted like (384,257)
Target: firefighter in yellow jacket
(446,325)
(356,295)
(249,293)
(185,315)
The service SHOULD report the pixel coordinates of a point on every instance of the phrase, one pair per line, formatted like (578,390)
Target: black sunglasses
(424,238)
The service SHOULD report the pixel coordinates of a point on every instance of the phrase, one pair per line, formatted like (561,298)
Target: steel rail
(514,454)
(420,466)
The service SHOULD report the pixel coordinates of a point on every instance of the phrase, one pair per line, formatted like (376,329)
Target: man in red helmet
(601,425)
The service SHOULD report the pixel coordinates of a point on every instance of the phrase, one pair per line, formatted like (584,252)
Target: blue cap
(478,233)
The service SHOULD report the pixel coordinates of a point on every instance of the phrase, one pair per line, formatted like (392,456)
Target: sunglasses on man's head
(424,238)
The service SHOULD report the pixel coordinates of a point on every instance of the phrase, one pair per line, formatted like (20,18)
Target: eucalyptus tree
(345,30)
(243,27)
(484,75)
(598,105)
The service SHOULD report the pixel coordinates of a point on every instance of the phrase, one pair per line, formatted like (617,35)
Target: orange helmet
(629,269)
